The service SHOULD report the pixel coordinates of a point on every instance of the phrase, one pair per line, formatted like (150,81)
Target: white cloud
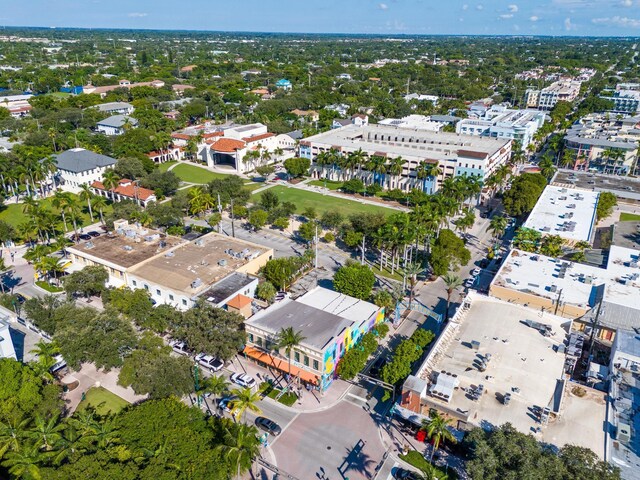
(479,7)
(383,6)
(534,18)
(137,15)
(617,21)
(506,16)
(465,7)
(626,3)
(568,25)
(513,8)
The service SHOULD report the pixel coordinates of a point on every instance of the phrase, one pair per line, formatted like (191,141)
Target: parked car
(476,271)
(469,282)
(404,474)
(268,426)
(209,362)
(243,380)
(93,233)
(179,347)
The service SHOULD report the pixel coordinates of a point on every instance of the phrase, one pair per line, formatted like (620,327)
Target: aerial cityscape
(320,242)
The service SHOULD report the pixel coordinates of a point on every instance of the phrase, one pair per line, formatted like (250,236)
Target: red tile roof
(127,191)
(472,154)
(256,138)
(228,145)
(239,301)
(181,136)
(213,134)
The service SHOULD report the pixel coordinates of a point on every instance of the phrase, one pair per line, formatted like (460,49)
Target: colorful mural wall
(343,344)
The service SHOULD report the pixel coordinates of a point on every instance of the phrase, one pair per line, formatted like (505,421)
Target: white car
(179,347)
(243,380)
(476,271)
(209,362)
(469,282)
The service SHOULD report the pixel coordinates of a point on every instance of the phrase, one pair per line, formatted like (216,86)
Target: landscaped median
(417,460)
(268,390)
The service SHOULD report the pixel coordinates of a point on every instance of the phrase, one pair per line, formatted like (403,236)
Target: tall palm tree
(86,195)
(46,433)
(246,399)
(110,181)
(100,202)
(217,385)
(377,166)
(437,428)
(61,243)
(289,339)
(60,200)
(46,352)
(411,271)
(240,446)
(395,168)
(24,463)
(12,434)
(50,267)
(451,282)
(103,434)
(497,226)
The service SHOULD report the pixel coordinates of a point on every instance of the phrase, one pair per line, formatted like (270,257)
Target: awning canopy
(280,364)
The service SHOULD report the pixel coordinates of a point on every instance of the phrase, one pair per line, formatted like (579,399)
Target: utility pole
(555,312)
(362,253)
(219,205)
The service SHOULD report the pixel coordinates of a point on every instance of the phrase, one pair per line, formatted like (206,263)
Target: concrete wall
(534,301)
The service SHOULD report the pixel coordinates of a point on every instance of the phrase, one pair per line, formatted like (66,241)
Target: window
(251,337)
(146,287)
(184,302)
(316,365)
(158,292)
(296,356)
(306,361)
(171,297)
(135,284)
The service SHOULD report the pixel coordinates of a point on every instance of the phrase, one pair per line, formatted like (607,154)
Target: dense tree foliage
(355,280)
(525,190)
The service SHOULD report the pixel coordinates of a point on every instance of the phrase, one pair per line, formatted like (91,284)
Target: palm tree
(100,203)
(452,282)
(377,166)
(61,243)
(46,432)
(24,462)
(216,385)
(547,168)
(12,433)
(103,434)
(289,339)
(498,225)
(246,399)
(437,428)
(411,271)
(395,168)
(46,352)
(86,195)
(110,181)
(49,266)
(71,444)
(240,446)
(60,201)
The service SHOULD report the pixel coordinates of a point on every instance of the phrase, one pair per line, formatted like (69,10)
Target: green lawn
(254,186)
(195,174)
(13,215)
(48,287)
(103,401)
(331,185)
(304,199)
(163,167)
(629,217)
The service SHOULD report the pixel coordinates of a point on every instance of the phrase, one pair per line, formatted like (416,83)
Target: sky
(460,17)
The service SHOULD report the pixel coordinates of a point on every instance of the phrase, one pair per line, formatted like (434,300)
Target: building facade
(78,167)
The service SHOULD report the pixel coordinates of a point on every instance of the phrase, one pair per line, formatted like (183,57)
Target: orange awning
(279,364)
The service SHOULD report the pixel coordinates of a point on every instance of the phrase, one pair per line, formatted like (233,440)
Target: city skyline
(411,17)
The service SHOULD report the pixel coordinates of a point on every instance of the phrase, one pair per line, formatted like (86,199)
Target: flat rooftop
(317,326)
(627,234)
(125,251)
(523,363)
(542,276)
(417,142)
(192,267)
(339,304)
(226,287)
(622,187)
(567,212)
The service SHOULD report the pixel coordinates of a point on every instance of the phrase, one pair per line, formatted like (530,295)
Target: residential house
(126,190)
(116,125)
(284,84)
(115,108)
(78,166)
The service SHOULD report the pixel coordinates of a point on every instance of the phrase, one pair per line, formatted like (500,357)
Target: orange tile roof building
(126,190)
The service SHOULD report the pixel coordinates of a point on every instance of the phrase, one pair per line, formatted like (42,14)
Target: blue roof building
(284,83)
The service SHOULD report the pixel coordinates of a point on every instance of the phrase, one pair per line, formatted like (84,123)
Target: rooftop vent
(196,283)
(128,248)
(169,254)
(89,245)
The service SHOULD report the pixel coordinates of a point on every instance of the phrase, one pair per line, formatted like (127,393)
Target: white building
(417,122)
(116,124)
(18,105)
(502,122)
(7,349)
(454,154)
(421,98)
(563,90)
(79,166)
(115,108)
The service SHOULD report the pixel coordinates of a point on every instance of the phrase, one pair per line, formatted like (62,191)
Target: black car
(20,298)
(404,474)
(268,426)
(93,233)
(84,236)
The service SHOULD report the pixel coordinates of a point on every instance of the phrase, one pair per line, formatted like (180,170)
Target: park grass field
(194,174)
(629,217)
(13,215)
(103,401)
(330,184)
(163,167)
(304,199)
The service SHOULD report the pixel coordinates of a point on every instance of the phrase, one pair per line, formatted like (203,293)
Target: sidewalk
(89,376)
(310,402)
